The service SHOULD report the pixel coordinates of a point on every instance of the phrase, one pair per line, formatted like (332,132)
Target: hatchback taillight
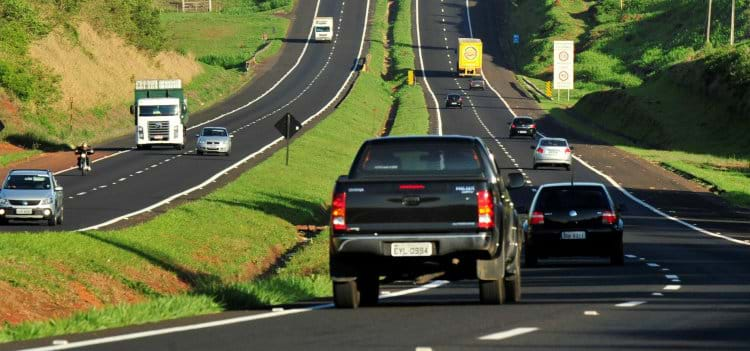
(533,126)
(338,211)
(567,150)
(608,217)
(485,210)
(512,126)
(540,150)
(537,217)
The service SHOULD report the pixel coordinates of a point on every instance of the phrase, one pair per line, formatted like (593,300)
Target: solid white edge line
(248,157)
(508,333)
(612,181)
(424,73)
(218,323)
(630,304)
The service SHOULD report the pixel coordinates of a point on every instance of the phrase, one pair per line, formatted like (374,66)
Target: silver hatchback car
(30,194)
(552,152)
(214,139)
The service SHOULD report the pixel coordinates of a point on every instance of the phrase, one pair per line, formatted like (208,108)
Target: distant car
(31,194)
(522,125)
(552,152)
(476,83)
(577,219)
(214,140)
(454,100)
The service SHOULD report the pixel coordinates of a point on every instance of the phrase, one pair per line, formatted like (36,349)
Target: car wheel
(536,166)
(492,292)
(198,152)
(513,285)
(530,258)
(52,221)
(617,256)
(345,294)
(61,217)
(369,290)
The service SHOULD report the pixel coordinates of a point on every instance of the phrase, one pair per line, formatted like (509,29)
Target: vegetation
(189,260)
(647,80)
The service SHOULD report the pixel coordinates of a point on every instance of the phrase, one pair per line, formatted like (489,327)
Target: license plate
(521,132)
(411,249)
(24,211)
(573,235)
(158,137)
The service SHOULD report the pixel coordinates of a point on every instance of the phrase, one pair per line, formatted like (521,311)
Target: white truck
(323,28)
(160,112)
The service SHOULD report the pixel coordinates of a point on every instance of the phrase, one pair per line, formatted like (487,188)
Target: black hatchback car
(522,125)
(576,219)
(454,100)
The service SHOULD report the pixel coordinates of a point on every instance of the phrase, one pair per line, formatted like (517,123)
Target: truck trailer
(161,113)
(469,57)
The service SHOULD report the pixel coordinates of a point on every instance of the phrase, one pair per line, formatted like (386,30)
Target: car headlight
(4,202)
(47,201)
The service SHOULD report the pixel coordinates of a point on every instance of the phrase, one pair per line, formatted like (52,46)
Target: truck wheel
(369,289)
(530,258)
(491,292)
(513,285)
(345,294)
(617,256)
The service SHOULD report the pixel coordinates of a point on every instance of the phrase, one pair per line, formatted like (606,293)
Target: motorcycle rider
(84,148)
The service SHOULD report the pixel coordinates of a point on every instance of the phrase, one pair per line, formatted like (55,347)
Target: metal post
(209,6)
(708,23)
(731,29)
(568,94)
(288,126)
(182,7)
(558,94)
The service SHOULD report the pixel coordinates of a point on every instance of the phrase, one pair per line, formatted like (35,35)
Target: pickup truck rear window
(565,198)
(418,157)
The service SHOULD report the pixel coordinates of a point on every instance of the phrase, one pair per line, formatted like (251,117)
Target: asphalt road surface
(679,289)
(309,77)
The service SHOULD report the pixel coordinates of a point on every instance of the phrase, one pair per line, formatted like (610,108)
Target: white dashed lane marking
(630,304)
(508,333)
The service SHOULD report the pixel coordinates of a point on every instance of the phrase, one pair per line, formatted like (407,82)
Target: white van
(323,28)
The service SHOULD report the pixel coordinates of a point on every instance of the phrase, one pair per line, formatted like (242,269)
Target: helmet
(84,144)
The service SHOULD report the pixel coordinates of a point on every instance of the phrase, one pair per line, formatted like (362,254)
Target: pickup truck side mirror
(515,180)
(132,109)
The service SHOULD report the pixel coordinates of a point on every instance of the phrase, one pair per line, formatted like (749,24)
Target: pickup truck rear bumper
(443,244)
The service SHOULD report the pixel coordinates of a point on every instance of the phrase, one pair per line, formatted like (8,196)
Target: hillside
(647,80)
(67,67)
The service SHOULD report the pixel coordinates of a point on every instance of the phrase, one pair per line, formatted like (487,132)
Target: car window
(553,142)
(423,158)
(214,132)
(523,121)
(565,198)
(28,182)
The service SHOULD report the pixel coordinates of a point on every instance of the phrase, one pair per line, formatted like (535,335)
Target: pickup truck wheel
(513,285)
(369,290)
(530,258)
(345,294)
(617,257)
(492,292)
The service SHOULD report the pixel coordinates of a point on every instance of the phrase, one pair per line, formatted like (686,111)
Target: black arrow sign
(288,126)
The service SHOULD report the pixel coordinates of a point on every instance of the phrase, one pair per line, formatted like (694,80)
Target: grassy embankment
(646,81)
(210,255)
(66,69)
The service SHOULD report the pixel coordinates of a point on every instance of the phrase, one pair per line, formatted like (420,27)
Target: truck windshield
(418,158)
(163,110)
(322,29)
(27,182)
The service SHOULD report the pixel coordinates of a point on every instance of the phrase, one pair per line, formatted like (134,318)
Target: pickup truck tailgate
(403,207)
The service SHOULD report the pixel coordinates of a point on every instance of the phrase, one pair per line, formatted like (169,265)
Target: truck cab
(160,112)
(323,27)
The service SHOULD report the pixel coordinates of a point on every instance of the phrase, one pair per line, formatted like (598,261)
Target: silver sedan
(552,152)
(214,140)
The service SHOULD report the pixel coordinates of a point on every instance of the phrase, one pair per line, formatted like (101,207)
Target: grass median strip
(220,252)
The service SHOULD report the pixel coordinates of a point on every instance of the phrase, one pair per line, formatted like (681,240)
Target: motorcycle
(84,165)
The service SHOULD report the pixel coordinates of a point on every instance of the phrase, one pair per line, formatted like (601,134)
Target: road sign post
(288,126)
(564,57)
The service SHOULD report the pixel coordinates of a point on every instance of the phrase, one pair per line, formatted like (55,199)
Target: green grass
(6,159)
(209,254)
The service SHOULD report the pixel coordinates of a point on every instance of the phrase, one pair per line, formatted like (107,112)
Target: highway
(307,81)
(680,288)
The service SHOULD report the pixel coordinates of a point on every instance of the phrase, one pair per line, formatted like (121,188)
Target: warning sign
(563,69)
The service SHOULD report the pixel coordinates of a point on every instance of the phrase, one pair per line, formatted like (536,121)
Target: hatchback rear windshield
(553,142)
(523,121)
(454,97)
(418,158)
(27,182)
(565,198)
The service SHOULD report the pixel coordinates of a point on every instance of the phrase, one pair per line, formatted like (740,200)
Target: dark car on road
(577,219)
(523,126)
(412,208)
(454,100)
(476,83)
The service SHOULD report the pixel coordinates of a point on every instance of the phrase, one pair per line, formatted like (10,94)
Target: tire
(226,154)
(617,256)
(492,292)
(369,290)
(536,166)
(61,217)
(52,221)
(513,285)
(198,152)
(345,294)
(530,258)
(3,221)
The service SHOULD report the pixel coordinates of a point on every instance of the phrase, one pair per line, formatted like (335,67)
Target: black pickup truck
(418,208)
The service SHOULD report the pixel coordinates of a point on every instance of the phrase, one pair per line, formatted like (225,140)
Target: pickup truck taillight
(338,211)
(537,217)
(608,217)
(485,210)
